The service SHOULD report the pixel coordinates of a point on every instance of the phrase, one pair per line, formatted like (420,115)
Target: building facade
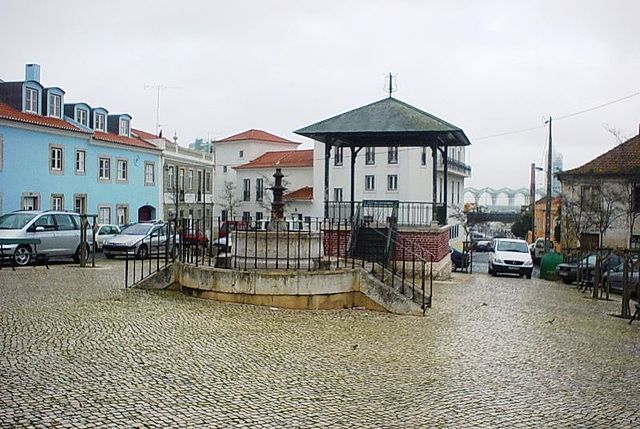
(69,156)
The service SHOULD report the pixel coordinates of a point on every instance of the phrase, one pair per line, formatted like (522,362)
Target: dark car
(615,278)
(483,246)
(459,260)
(568,271)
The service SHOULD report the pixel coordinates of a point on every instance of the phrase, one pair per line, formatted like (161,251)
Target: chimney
(32,72)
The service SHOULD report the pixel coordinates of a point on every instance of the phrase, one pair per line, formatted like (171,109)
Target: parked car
(616,278)
(58,232)
(459,260)
(537,250)
(568,271)
(483,246)
(104,232)
(510,256)
(194,237)
(141,239)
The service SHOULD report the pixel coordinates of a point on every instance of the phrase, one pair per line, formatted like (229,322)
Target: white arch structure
(494,193)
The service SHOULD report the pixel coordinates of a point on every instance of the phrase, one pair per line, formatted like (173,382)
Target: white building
(232,152)
(254,179)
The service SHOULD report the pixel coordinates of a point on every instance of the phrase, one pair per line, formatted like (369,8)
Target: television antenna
(391,86)
(158,89)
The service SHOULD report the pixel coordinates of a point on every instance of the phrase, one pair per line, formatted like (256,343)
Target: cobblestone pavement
(76,350)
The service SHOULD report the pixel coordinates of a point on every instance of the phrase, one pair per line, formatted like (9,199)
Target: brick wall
(335,242)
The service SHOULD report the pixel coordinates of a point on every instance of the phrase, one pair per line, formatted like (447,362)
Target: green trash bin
(548,265)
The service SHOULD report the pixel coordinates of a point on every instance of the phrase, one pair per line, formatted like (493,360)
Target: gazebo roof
(384,123)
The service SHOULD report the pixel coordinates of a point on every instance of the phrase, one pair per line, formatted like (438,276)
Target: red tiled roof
(147,136)
(129,141)
(285,158)
(256,135)
(622,160)
(302,194)
(7,112)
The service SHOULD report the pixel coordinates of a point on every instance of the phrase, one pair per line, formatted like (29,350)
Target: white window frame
(122,170)
(102,211)
(246,189)
(370,155)
(241,154)
(31,100)
(122,214)
(181,179)
(190,179)
(149,173)
(338,156)
(55,105)
(170,177)
(369,183)
(100,121)
(392,155)
(101,169)
(82,117)
(337,194)
(207,181)
(80,200)
(392,182)
(423,156)
(259,189)
(56,162)
(57,202)
(80,162)
(124,127)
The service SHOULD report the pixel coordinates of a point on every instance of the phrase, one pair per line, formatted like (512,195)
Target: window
(80,203)
(337,194)
(31,100)
(259,189)
(590,198)
(55,159)
(104,214)
(224,168)
(83,117)
(55,105)
(241,154)
(636,197)
(190,180)
(369,183)
(207,182)
(81,158)
(57,202)
(392,155)
(458,186)
(104,168)
(150,176)
(635,242)
(181,178)
(392,182)
(259,217)
(246,216)
(99,122)
(67,223)
(122,173)
(124,127)
(338,156)
(122,214)
(30,202)
(246,189)
(170,177)
(370,156)
(423,156)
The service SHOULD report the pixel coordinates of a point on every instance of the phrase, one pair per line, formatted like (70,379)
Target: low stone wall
(294,289)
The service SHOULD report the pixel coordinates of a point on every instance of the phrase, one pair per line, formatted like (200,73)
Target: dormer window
(100,122)
(55,105)
(124,127)
(83,117)
(31,100)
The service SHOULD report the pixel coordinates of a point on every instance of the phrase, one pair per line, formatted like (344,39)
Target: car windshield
(15,220)
(137,229)
(513,246)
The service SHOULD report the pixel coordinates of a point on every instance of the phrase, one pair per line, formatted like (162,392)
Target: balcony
(456,167)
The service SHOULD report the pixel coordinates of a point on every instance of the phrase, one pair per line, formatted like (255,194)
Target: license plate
(513,268)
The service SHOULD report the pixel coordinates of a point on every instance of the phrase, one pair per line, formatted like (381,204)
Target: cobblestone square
(77,350)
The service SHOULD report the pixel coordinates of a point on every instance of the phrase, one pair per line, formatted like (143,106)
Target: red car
(193,237)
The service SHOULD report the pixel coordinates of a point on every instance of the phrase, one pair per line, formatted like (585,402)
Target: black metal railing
(146,256)
(409,213)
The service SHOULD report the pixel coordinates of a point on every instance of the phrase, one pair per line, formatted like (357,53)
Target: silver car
(57,231)
(140,240)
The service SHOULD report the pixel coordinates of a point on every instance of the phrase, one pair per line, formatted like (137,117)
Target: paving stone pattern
(76,350)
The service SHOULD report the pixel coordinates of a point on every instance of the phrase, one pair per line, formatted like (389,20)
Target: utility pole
(547,214)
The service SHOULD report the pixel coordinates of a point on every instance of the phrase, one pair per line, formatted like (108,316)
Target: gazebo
(388,122)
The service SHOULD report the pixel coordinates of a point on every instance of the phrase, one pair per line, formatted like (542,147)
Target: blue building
(57,155)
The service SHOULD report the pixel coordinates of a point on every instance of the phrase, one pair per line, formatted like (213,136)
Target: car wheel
(76,256)
(143,252)
(567,281)
(22,255)
(528,275)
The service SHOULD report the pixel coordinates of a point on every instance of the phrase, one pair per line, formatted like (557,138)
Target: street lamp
(532,199)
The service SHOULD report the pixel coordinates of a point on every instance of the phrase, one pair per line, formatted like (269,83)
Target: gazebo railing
(410,213)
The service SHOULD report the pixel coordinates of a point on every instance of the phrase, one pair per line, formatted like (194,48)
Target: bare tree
(605,204)
(578,218)
(458,213)
(616,133)
(229,199)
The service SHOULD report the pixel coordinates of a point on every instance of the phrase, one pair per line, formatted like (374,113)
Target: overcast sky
(488,67)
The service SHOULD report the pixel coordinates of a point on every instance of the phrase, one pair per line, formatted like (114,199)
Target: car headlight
(528,263)
(498,260)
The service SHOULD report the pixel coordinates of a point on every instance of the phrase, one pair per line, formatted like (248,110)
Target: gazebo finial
(389,86)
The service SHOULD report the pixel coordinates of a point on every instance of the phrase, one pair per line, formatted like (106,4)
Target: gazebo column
(354,154)
(327,160)
(445,188)
(434,157)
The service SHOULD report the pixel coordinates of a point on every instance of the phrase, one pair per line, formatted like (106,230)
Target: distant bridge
(495,193)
